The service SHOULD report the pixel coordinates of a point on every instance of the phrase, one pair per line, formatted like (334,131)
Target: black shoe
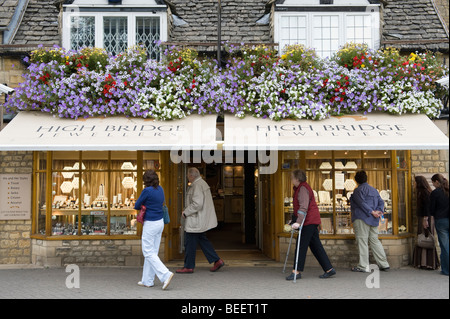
(291,276)
(385,269)
(328,274)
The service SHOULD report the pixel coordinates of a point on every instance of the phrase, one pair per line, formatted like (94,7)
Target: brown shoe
(217,265)
(185,271)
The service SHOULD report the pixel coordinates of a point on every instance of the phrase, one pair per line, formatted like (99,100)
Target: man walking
(200,216)
(367,208)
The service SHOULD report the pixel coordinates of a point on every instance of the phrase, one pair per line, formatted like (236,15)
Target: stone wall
(11,71)
(59,253)
(15,242)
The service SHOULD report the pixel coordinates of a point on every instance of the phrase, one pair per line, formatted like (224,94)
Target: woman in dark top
(152,197)
(439,209)
(422,257)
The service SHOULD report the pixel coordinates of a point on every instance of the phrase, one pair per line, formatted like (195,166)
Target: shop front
(86,177)
(87,174)
(331,152)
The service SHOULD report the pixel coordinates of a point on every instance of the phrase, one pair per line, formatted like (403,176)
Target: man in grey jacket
(199,217)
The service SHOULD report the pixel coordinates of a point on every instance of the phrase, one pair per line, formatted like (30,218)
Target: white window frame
(310,16)
(99,32)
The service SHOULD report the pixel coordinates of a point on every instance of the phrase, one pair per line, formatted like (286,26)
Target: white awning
(36,131)
(349,132)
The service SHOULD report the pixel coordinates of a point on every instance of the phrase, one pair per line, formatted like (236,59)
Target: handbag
(424,241)
(166,214)
(141,215)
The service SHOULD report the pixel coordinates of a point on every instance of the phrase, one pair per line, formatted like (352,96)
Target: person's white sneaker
(167,282)
(142,285)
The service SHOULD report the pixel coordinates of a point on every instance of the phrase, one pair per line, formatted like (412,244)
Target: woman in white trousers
(151,240)
(152,197)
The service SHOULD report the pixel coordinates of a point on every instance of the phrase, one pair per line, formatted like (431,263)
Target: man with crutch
(307,221)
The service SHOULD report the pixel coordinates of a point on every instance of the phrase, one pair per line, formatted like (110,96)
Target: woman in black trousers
(305,204)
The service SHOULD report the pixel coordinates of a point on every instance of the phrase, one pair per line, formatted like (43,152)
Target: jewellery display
(331,175)
(94,204)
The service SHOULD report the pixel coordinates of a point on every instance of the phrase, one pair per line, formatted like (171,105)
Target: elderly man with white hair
(199,217)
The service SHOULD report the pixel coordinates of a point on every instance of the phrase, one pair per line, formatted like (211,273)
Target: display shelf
(114,212)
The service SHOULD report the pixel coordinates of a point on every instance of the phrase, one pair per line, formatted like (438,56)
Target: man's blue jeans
(442,232)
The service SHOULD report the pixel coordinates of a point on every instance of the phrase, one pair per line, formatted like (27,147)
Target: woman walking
(424,258)
(305,204)
(152,197)
(439,209)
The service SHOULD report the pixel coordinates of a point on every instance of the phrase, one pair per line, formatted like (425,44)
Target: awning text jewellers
(332,130)
(109,130)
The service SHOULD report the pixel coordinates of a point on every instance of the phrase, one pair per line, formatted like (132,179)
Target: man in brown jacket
(199,217)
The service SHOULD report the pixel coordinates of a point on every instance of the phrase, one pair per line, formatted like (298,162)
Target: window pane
(359,29)
(319,177)
(42,160)
(64,203)
(115,31)
(95,203)
(293,30)
(148,31)
(402,178)
(402,157)
(377,160)
(381,180)
(326,35)
(41,205)
(151,161)
(82,32)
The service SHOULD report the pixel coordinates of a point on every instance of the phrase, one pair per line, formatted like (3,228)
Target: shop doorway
(233,188)
(236,193)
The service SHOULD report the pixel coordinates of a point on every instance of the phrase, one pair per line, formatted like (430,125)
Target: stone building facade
(242,22)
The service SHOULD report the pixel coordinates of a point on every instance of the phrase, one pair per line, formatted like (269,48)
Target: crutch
(298,246)
(289,250)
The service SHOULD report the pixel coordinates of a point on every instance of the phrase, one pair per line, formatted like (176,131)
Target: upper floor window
(115,31)
(327,31)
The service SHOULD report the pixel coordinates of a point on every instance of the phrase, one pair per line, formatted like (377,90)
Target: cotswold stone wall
(15,242)
(59,253)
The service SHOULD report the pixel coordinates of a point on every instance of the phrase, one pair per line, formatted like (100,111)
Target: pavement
(231,282)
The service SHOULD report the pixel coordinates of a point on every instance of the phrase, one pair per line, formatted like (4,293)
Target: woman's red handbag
(141,215)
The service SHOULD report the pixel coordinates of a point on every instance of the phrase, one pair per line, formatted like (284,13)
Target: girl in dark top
(439,209)
(422,257)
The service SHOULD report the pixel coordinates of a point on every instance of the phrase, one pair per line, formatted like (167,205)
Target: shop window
(91,193)
(331,176)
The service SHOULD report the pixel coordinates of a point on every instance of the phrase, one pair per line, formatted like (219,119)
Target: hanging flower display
(256,81)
